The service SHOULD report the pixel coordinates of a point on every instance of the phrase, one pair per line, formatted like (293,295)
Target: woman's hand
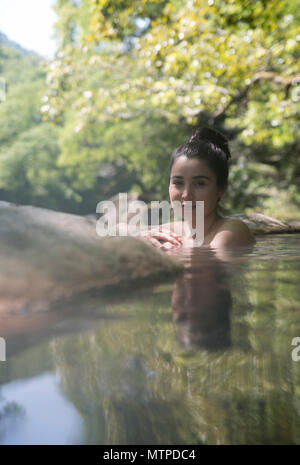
(162,239)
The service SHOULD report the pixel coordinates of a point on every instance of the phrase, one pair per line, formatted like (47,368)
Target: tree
(230,64)
(28,147)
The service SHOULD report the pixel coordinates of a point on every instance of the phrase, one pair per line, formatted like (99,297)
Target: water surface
(203,359)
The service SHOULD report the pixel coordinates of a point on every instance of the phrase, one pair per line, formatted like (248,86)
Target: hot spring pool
(204,359)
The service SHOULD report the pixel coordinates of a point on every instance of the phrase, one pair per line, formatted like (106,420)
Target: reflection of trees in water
(25,365)
(10,414)
(263,420)
(133,382)
(242,304)
(133,391)
(118,393)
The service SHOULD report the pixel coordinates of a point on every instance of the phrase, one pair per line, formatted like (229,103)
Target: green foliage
(21,110)
(28,171)
(29,147)
(141,75)
(132,79)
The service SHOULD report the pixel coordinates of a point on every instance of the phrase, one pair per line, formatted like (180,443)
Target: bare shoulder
(232,232)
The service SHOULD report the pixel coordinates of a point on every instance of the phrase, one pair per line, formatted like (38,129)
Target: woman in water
(199,172)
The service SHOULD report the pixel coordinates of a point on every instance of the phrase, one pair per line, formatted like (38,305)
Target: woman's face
(193,180)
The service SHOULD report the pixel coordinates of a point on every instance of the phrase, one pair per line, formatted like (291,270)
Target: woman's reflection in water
(201,301)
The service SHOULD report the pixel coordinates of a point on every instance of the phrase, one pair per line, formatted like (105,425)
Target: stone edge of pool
(48,255)
(262,224)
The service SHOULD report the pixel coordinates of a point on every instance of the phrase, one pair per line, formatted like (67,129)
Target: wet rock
(47,255)
(262,224)
(295,225)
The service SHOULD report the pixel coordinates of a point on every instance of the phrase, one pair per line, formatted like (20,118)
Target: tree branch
(285,82)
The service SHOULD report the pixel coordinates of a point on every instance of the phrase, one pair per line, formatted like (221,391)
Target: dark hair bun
(213,136)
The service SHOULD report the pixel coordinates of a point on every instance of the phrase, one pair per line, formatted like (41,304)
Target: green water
(205,359)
